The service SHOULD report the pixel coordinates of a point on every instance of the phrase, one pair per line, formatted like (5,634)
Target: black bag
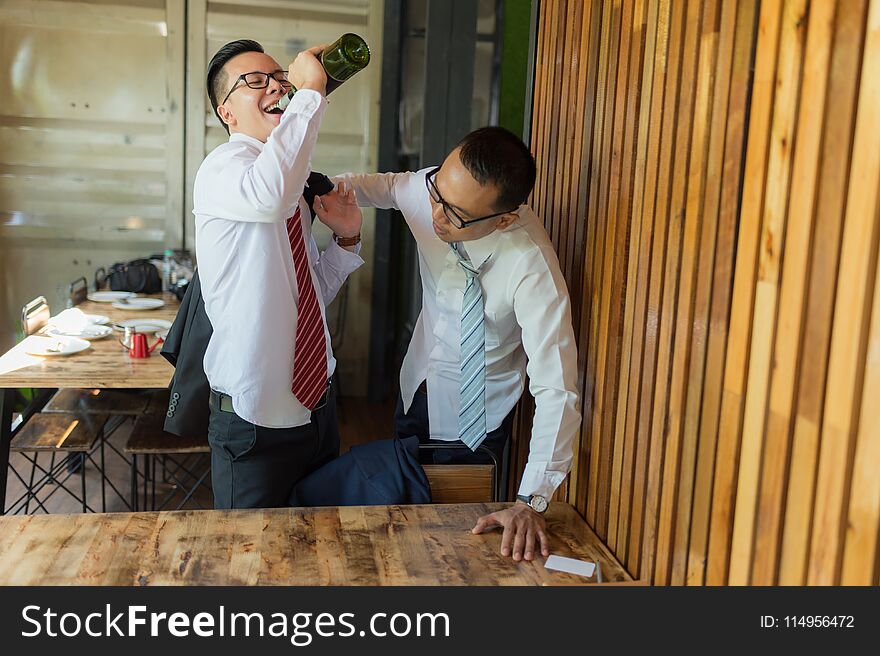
(135,276)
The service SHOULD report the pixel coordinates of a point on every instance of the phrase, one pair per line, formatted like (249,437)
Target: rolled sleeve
(334,266)
(548,340)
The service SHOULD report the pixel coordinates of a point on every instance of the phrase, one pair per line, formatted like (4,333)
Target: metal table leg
(134,483)
(7,397)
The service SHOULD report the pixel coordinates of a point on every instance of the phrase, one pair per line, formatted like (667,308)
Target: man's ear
(226,116)
(506,220)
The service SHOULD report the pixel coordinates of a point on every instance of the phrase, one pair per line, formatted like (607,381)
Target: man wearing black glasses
(265,286)
(494,308)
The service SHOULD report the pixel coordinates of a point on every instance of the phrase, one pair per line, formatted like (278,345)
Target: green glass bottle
(341,60)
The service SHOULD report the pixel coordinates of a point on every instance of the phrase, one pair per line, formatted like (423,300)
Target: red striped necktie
(310,349)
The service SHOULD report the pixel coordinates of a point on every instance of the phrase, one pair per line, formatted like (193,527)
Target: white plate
(52,346)
(76,318)
(92,331)
(143,325)
(109,297)
(98,319)
(139,304)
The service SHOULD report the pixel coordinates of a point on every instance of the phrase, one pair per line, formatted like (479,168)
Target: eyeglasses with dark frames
(454,217)
(259,80)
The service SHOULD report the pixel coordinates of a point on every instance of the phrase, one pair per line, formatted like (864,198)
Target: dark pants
(415,422)
(256,467)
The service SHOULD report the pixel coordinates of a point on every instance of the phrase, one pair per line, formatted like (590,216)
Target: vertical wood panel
(621,468)
(799,230)
(664,450)
(721,283)
(709,174)
(725,27)
(591,21)
(839,121)
(615,242)
(596,217)
(851,319)
(633,449)
(863,525)
(771,242)
(675,511)
(646,464)
(736,359)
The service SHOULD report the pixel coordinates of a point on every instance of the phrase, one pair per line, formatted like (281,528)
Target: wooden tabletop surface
(366,545)
(106,365)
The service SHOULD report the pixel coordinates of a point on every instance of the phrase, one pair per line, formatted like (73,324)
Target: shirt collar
(481,250)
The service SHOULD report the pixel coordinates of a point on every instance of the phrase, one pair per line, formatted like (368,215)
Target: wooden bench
(72,436)
(71,433)
(150,441)
(95,401)
(149,438)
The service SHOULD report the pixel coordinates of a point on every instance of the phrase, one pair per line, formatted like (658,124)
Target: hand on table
(339,211)
(524,529)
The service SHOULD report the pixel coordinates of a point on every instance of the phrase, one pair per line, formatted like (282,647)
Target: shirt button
(169,414)
(175,396)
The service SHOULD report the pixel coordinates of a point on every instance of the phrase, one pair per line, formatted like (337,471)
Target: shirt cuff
(305,102)
(537,480)
(342,259)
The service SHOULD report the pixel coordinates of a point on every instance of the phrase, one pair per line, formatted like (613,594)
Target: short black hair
(497,156)
(217,78)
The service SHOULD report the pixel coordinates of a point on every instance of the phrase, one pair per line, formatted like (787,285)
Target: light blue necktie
(472,393)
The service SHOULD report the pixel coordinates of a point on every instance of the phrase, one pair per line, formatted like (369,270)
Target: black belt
(224,401)
(221,401)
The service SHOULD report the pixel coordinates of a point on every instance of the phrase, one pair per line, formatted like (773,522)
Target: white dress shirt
(244,193)
(527,322)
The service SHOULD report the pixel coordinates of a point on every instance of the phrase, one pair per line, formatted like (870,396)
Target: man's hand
(339,211)
(307,72)
(523,527)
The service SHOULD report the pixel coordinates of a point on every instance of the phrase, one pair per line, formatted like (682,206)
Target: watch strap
(529,501)
(347,241)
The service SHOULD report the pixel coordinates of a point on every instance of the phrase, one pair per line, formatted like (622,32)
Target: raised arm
(378,190)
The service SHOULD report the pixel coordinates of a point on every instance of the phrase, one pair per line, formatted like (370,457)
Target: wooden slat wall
(709,172)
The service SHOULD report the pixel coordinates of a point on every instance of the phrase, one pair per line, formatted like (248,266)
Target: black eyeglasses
(259,80)
(454,217)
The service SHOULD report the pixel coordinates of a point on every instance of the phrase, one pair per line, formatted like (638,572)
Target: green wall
(514,64)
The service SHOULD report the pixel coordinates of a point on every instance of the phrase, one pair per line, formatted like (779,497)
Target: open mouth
(273,109)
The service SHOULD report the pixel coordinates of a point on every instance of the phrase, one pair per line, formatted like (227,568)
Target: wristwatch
(347,241)
(534,501)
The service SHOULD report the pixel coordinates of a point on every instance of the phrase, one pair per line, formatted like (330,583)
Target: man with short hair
(265,286)
(494,307)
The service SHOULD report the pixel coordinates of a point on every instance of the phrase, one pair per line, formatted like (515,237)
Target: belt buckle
(220,401)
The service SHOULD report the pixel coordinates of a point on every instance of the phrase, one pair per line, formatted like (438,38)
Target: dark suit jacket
(384,472)
(185,346)
(187,342)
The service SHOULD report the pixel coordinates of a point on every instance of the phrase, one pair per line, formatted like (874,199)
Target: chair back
(100,278)
(463,483)
(78,291)
(34,315)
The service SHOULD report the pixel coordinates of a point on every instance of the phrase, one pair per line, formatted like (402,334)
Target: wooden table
(106,365)
(364,545)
